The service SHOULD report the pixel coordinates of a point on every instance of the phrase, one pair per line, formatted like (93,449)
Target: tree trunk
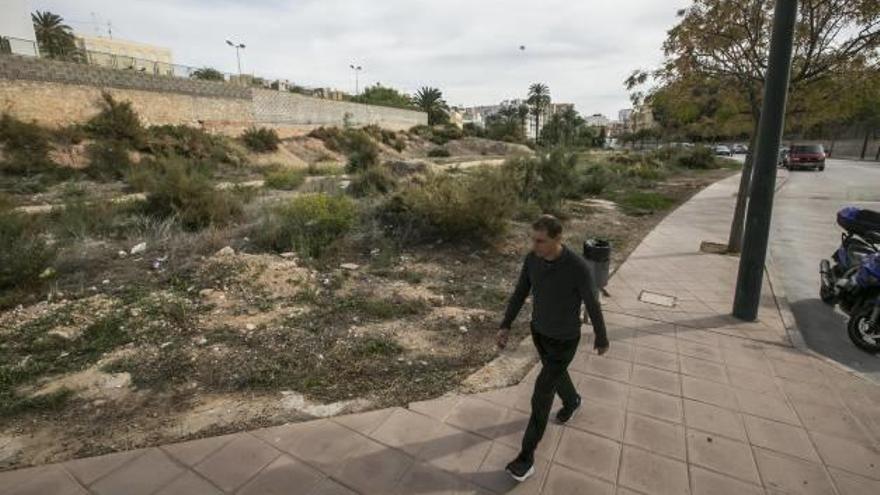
(865,143)
(734,242)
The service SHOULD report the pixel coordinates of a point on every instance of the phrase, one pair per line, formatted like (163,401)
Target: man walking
(559,281)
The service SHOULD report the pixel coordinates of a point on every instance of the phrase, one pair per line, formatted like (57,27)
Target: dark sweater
(558,287)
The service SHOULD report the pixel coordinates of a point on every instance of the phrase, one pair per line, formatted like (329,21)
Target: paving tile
(781,437)
(511,431)
(650,473)
(492,475)
(708,391)
(620,350)
(49,480)
(194,452)
(655,404)
(713,419)
(144,475)
(91,468)
(706,370)
(503,396)
(832,420)
(655,379)
(657,359)
(477,416)
(237,461)
(846,454)
(424,478)
(330,487)
(364,422)
(407,431)
(599,418)
(588,454)
(189,483)
(455,450)
(792,475)
(798,372)
(709,483)
(593,388)
(723,455)
(660,342)
(809,393)
(280,476)
(655,436)
(750,380)
(700,351)
(11,479)
(322,444)
(851,484)
(611,369)
(374,468)
(766,406)
(438,409)
(564,481)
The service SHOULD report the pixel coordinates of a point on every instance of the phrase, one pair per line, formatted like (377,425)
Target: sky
(470,49)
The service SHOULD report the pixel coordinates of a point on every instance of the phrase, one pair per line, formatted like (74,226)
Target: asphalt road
(805,231)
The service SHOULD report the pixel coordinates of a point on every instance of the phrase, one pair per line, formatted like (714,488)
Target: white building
(16,29)
(597,120)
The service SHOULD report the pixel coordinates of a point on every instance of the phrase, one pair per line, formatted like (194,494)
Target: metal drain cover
(657,299)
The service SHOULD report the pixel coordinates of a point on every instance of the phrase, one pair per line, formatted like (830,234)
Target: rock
(349,266)
(201,340)
(227,251)
(288,255)
(250,327)
(122,254)
(47,273)
(206,293)
(375,252)
(138,248)
(463,329)
(105,281)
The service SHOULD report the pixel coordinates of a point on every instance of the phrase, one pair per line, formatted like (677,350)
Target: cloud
(468,48)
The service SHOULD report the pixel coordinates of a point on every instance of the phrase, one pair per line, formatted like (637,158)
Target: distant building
(624,116)
(597,120)
(478,115)
(124,54)
(17,30)
(642,118)
(456,117)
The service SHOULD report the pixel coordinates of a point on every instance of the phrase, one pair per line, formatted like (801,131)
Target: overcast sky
(583,50)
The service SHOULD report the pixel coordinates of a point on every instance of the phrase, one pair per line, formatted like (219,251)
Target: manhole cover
(657,299)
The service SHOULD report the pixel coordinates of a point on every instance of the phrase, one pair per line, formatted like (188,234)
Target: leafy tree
(505,125)
(430,100)
(567,129)
(54,38)
(728,42)
(384,96)
(207,74)
(538,100)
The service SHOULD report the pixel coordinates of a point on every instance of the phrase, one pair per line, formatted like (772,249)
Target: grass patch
(307,224)
(644,203)
(261,140)
(24,255)
(285,179)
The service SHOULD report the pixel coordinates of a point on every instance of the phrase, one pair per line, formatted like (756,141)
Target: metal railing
(18,46)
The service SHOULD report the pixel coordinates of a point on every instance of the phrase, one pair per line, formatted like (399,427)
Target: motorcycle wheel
(860,331)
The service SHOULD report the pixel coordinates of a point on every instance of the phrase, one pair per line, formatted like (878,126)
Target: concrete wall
(61,93)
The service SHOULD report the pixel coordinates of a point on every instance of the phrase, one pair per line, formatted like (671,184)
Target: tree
(567,129)
(505,125)
(728,42)
(207,74)
(54,38)
(385,96)
(430,100)
(538,100)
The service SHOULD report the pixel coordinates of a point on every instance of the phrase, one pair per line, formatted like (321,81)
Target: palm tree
(54,37)
(539,99)
(430,100)
(523,113)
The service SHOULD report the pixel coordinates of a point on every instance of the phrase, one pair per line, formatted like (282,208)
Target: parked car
(780,158)
(804,156)
(739,149)
(722,150)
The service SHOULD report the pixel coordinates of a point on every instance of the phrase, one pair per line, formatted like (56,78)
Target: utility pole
(770,128)
(357,70)
(237,46)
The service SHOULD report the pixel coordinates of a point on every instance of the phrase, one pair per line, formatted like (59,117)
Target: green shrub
(698,157)
(307,224)
(25,147)
(363,152)
(24,254)
(116,121)
(545,179)
(261,140)
(284,178)
(188,142)
(594,180)
(469,207)
(70,135)
(641,202)
(183,190)
(376,179)
(108,160)
(80,218)
(325,168)
(386,136)
(438,153)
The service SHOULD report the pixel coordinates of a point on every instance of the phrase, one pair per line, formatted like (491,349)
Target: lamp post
(237,46)
(357,69)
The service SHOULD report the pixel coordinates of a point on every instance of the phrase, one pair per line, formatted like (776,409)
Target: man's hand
(502,337)
(602,350)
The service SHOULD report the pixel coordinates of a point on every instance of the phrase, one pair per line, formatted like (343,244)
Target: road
(804,232)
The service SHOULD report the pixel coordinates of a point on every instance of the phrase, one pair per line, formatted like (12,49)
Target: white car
(722,150)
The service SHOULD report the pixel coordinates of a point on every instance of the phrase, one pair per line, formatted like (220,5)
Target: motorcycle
(851,279)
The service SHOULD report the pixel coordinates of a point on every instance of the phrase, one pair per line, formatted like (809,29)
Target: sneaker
(520,469)
(566,414)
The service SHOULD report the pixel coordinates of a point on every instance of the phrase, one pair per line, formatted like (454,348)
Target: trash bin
(597,253)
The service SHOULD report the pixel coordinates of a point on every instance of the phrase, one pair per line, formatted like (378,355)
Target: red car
(803,156)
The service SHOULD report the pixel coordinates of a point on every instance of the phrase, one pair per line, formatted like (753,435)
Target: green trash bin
(597,253)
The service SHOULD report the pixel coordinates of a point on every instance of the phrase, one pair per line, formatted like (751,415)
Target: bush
(376,179)
(183,190)
(70,135)
(188,142)
(24,254)
(594,180)
(386,136)
(545,179)
(307,224)
(283,178)
(471,207)
(698,157)
(116,121)
(363,153)
(25,147)
(261,140)
(438,153)
(640,202)
(108,160)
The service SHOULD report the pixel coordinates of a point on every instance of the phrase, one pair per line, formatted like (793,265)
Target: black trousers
(553,379)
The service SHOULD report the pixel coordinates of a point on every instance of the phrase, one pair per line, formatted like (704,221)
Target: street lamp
(357,69)
(237,46)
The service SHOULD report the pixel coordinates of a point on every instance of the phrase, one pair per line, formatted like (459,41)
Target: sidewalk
(689,400)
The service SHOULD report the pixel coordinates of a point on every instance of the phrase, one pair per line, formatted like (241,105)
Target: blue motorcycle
(851,279)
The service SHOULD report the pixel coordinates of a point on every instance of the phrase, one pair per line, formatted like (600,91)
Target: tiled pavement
(687,401)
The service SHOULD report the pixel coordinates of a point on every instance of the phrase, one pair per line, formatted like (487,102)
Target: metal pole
(757,233)
(238,59)
(357,89)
